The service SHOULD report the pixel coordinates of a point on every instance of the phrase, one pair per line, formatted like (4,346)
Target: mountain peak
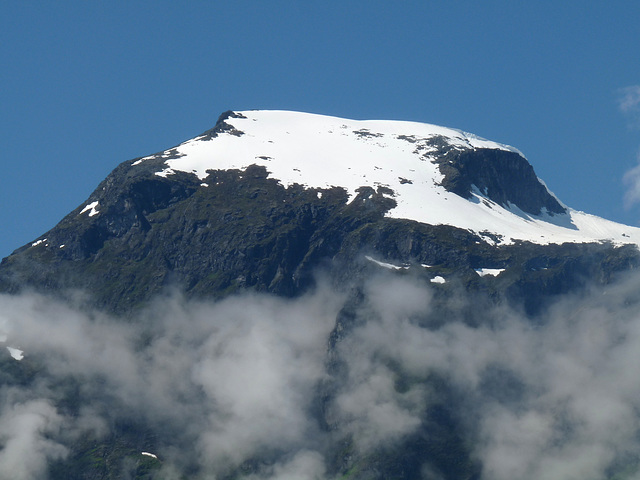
(430,174)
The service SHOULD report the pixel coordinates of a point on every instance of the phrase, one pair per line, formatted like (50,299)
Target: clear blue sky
(87,85)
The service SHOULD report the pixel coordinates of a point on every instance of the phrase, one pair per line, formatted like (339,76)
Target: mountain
(264,197)
(284,205)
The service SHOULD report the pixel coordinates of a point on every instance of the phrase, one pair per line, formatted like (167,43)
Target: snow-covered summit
(405,157)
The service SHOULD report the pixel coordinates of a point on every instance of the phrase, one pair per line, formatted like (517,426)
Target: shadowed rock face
(504,177)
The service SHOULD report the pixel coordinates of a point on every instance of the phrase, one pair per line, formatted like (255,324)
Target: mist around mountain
(193,320)
(245,388)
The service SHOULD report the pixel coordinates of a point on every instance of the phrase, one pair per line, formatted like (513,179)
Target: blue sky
(87,85)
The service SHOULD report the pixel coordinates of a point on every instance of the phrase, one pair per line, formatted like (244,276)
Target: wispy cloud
(235,381)
(629,105)
(629,100)
(631,181)
(225,382)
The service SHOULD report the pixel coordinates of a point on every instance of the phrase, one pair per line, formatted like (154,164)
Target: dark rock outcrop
(502,176)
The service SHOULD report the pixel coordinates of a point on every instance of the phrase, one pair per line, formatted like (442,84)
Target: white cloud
(222,382)
(629,100)
(552,400)
(629,104)
(25,435)
(631,181)
(305,465)
(228,382)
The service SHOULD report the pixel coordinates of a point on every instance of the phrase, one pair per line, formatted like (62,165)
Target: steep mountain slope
(414,230)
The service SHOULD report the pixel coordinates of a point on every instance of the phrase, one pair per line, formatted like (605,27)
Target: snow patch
(147,454)
(167,171)
(322,152)
(16,353)
(35,244)
(438,279)
(385,265)
(494,272)
(92,208)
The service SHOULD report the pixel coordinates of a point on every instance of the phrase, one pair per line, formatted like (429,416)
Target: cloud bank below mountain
(236,385)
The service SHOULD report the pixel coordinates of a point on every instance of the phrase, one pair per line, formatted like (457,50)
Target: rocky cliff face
(504,177)
(151,227)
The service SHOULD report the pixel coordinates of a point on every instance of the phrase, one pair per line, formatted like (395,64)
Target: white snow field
(322,151)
